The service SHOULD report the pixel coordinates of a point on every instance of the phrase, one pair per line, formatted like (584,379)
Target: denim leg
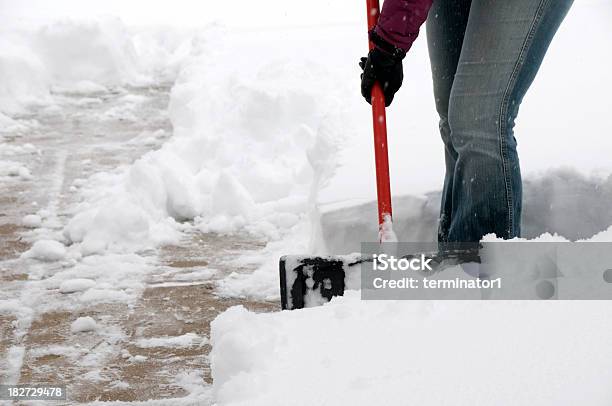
(503,46)
(446,25)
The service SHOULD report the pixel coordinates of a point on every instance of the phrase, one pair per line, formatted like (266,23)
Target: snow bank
(352,352)
(252,144)
(23,77)
(80,55)
(99,51)
(358,352)
(252,140)
(162,50)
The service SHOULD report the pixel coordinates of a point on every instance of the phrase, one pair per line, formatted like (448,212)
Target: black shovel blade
(308,281)
(311,281)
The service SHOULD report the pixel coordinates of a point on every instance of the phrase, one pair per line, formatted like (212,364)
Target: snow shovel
(310,281)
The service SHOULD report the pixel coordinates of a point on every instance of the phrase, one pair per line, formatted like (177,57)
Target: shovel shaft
(379,118)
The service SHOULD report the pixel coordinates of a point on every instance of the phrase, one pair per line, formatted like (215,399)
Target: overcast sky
(243,13)
(192,13)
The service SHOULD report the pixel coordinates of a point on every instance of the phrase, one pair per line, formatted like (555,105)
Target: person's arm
(397,28)
(400,20)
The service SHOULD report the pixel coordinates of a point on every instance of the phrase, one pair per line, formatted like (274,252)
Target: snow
(65,351)
(24,79)
(355,351)
(14,169)
(83,325)
(274,141)
(84,87)
(104,296)
(99,230)
(76,285)
(185,340)
(24,173)
(14,361)
(196,275)
(46,250)
(100,51)
(386,233)
(265,139)
(35,61)
(428,353)
(31,221)
(285,129)
(604,236)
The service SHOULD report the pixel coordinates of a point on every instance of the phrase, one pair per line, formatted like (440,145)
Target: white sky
(192,13)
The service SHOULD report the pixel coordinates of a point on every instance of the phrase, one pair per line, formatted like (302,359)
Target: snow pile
(99,51)
(80,56)
(23,77)
(352,352)
(267,129)
(252,144)
(46,250)
(117,223)
(162,50)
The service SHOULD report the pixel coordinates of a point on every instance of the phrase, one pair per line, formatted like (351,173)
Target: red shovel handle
(383,187)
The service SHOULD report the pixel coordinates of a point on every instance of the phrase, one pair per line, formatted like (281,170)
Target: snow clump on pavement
(46,250)
(83,325)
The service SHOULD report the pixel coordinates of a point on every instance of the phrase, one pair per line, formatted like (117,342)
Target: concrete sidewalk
(72,143)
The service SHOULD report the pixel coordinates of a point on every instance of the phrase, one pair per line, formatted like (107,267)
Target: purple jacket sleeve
(400,20)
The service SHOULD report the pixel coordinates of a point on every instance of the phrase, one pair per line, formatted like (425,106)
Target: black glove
(383,65)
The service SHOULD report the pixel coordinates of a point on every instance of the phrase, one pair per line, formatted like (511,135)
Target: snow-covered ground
(271,140)
(352,352)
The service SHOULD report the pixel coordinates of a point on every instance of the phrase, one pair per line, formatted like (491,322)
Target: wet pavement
(60,148)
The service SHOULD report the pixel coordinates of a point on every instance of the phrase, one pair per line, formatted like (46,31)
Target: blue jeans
(484,56)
